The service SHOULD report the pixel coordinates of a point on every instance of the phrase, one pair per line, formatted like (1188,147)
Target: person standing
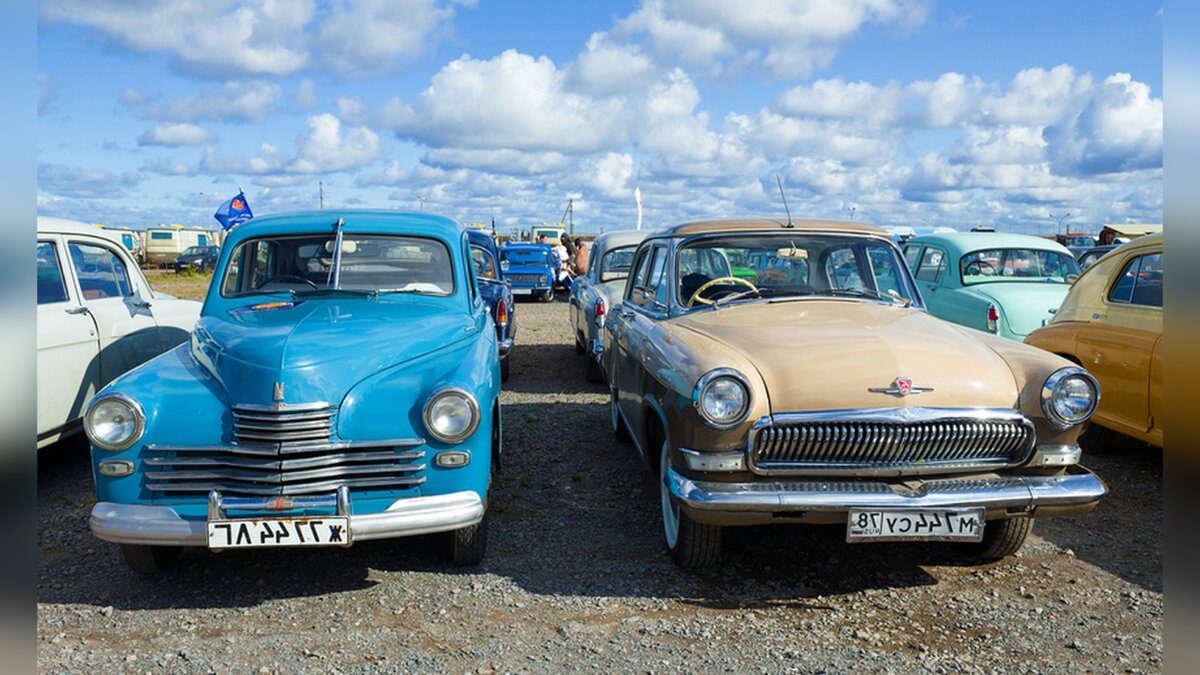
(581,257)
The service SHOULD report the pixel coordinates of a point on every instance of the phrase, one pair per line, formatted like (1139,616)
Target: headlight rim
(472,403)
(139,418)
(1047,396)
(706,380)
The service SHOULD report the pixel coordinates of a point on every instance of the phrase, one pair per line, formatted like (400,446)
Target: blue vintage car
(1007,284)
(528,267)
(341,385)
(496,291)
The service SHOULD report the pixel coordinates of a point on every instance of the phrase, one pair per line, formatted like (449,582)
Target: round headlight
(722,397)
(1069,397)
(451,415)
(114,422)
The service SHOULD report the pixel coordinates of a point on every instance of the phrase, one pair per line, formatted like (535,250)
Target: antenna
(321,193)
(779,182)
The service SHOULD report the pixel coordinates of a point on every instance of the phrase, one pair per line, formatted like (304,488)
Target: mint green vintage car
(1006,284)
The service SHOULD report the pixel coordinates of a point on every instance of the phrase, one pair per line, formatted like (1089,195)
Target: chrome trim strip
(272,452)
(1078,487)
(163,526)
(282,408)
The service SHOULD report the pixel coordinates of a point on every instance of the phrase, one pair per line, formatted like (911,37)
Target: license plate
(915,525)
(267,532)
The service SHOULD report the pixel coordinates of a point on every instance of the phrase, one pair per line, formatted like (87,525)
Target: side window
(1140,282)
(887,277)
(641,270)
(648,280)
(658,277)
(100,271)
(470,265)
(911,255)
(50,286)
(932,262)
(841,268)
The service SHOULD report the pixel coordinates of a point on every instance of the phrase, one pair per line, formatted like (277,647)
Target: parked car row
(342,384)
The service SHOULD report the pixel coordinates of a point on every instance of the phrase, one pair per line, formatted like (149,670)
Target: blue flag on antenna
(234,212)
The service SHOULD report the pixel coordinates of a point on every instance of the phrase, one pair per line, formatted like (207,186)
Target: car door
(931,269)
(68,367)
(622,325)
(1119,344)
(648,301)
(129,335)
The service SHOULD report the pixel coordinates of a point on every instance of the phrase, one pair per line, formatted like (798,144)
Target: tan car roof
(769,224)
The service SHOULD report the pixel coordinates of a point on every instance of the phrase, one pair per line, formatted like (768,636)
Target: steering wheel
(982,267)
(285,277)
(709,284)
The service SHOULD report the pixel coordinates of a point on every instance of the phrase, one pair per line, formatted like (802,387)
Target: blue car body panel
(374,360)
(528,277)
(496,290)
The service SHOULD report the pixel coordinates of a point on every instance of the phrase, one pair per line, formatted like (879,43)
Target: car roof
(974,241)
(526,244)
(619,238)
(734,225)
(50,225)
(357,220)
(480,236)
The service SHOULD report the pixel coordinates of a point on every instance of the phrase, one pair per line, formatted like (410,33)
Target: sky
(1025,116)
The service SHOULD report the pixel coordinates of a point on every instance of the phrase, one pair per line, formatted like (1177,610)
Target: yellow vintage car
(1111,323)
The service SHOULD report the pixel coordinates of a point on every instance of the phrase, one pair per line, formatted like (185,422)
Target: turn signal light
(993,318)
(501,313)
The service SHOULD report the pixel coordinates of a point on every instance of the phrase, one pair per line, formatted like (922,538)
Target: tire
(591,369)
(467,545)
(150,560)
(618,425)
(692,545)
(1002,538)
(504,369)
(548,296)
(1096,438)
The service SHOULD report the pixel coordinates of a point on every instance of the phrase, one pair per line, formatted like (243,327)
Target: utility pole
(1059,226)
(851,210)
(569,215)
(321,194)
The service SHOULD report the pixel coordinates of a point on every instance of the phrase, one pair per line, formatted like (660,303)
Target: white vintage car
(97,318)
(593,293)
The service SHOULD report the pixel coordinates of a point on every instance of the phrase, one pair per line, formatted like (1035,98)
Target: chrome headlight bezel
(704,386)
(1050,387)
(139,422)
(472,405)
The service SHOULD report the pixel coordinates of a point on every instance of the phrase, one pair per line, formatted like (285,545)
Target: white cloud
(610,174)
(503,161)
(369,35)
(175,135)
(211,36)
(510,101)
(352,110)
(327,149)
(84,183)
(234,101)
(1119,129)
(305,95)
(606,67)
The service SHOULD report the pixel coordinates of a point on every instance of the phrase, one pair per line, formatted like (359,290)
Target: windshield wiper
(864,293)
(308,292)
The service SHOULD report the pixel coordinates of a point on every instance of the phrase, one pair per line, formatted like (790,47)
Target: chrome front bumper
(1076,491)
(163,526)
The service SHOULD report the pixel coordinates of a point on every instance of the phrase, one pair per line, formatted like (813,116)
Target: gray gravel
(576,578)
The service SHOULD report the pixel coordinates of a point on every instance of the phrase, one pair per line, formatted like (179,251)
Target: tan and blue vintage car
(823,392)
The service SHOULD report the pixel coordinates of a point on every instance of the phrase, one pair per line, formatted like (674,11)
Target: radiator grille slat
(931,440)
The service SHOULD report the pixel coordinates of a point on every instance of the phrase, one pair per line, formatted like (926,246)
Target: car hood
(319,348)
(823,355)
(1023,305)
(514,268)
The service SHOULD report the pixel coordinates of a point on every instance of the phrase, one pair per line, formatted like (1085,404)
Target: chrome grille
(244,470)
(891,441)
(300,424)
(534,279)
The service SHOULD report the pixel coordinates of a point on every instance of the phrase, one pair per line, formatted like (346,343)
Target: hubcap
(670,510)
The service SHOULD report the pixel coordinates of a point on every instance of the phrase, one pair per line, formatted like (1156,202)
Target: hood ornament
(277,396)
(901,386)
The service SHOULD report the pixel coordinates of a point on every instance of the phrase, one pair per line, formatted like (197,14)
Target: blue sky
(910,111)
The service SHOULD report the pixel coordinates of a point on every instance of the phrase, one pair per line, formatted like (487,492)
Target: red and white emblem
(901,386)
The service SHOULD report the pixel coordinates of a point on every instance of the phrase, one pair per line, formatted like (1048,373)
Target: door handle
(141,304)
(78,310)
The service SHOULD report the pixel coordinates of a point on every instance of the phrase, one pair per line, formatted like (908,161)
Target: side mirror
(1071,278)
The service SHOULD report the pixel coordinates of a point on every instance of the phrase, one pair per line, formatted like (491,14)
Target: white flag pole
(637,195)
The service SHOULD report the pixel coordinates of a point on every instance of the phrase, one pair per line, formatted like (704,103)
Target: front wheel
(1002,538)
(692,545)
(150,560)
(548,296)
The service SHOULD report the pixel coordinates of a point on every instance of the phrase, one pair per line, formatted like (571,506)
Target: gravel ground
(576,578)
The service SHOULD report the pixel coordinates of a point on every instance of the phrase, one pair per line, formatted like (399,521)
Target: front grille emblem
(901,386)
(277,396)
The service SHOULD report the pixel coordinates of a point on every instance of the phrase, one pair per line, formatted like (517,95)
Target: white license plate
(915,525)
(267,532)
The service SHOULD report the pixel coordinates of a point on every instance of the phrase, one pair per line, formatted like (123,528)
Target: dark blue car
(496,291)
(528,268)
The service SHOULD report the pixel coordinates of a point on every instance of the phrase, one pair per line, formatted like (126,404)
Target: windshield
(196,250)
(616,263)
(1017,264)
(369,263)
(779,265)
(485,264)
(525,256)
